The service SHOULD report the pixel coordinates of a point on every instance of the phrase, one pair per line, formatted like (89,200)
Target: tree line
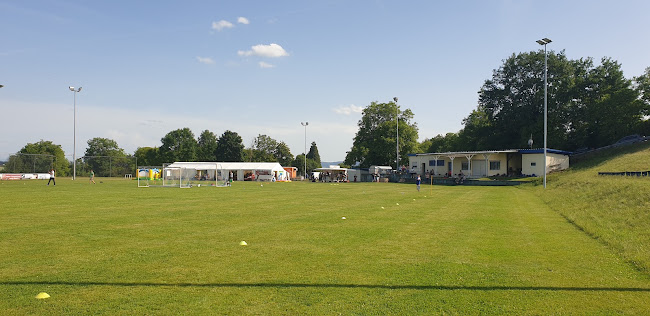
(106,158)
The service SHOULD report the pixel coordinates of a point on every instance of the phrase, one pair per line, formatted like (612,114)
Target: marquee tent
(263,171)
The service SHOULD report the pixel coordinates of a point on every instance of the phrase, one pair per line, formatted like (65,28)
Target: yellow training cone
(396,203)
(243,243)
(343,217)
(42,295)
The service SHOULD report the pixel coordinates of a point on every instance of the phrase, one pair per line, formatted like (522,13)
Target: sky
(263,67)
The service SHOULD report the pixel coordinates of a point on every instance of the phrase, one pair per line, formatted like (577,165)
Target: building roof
(541,150)
(228,165)
(522,151)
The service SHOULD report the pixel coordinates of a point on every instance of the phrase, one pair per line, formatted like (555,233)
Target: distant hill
(326,164)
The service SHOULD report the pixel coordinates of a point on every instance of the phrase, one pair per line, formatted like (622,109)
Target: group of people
(52,179)
(330,177)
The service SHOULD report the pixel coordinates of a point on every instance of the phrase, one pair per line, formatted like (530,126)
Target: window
(533,164)
(464,166)
(441,163)
(495,165)
(432,163)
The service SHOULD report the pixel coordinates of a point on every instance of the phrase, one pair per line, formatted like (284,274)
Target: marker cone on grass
(42,295)
(243,243)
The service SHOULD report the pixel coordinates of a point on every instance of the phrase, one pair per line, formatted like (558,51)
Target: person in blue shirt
(418,181)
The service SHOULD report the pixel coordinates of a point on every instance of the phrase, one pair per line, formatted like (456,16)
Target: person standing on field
(418,181)
(51,177)
(92,177)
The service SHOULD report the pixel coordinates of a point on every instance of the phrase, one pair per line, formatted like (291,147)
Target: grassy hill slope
(612,209)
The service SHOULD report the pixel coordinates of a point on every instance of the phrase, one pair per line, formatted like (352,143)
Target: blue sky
(263,67)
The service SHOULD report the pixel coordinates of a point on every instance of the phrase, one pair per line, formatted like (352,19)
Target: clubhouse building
(489,163)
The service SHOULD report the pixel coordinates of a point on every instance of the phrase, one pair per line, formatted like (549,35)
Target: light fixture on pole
(74,141)
(543,42)
(305,125)
(397,138)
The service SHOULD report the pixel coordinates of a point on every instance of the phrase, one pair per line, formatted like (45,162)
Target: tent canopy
(271,166)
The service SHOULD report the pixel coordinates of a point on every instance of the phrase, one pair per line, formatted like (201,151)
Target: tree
(313,153)
(375,142)
(207,146)
(263,149)
(100,156)
(178,145)
(299,163)
(147,156)
(267,149)
(39,157)
(446,143)
(642,87)
(587,106)
(283,154)
(230,147)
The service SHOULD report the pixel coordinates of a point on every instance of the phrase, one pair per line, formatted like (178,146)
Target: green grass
(113,248)
(614,210)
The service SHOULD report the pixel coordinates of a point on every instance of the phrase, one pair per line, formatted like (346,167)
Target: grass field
(113,248)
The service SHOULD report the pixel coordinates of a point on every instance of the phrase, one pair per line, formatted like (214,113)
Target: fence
(29,163)
(106,166)
(626,173)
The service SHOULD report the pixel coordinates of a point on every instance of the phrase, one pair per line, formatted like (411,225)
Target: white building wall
(554,162)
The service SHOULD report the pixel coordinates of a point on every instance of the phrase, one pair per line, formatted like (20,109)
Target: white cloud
(266,65)
(273,50)
(223,24)
(243,20)
(347,110)
(205,60)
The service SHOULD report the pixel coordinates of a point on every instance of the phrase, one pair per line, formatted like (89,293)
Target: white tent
(264,171)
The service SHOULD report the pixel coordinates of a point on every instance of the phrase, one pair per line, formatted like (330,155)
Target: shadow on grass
(344,286)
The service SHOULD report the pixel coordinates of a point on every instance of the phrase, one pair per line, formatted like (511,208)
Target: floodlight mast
(305,125)
(74,140)
(397,135)
(544,41)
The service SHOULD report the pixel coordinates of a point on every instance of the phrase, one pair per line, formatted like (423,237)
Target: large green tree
(39,157)
(147,156)
(642,86)
(266,149)
(104,157)
(207,146)
(375,142)
(178,145)
(283,154)
(230,147)
(588,106)
(299,162)
(263,149)
(313,154)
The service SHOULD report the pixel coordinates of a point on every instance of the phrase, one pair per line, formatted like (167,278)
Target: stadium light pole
(544,41)
(305,125)
(397,135)
(74,137)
